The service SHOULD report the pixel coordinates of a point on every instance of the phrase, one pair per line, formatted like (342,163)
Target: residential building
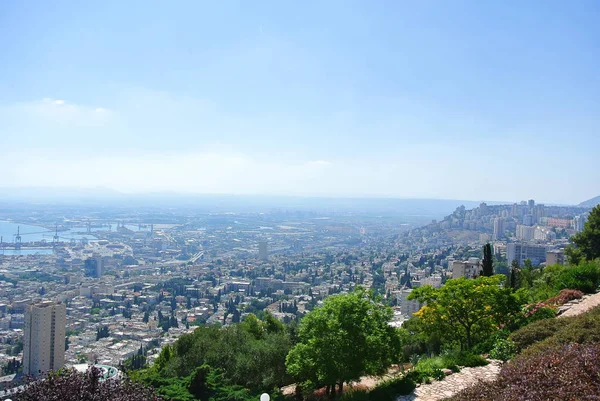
(407,307)
(525,233)
(555,257)
(579,222)
(262,250)
(521,252)
(44,337)
(498,228)
(468,268)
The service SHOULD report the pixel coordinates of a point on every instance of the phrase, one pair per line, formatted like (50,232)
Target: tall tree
(514,274)
(487,263)
(346,338)
(588,240)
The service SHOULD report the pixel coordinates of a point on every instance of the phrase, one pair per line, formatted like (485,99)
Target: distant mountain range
(590,202)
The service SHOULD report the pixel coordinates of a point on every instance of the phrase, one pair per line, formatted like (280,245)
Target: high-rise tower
(44,341)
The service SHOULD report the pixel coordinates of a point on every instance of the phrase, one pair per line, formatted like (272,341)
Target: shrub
(570,372)
(564,296)
(535,332)
(355,395)
(584,277)
(391,389)
(503,350)
(537,336)
(70,385)
(532,313)
(466,359)
(582,329)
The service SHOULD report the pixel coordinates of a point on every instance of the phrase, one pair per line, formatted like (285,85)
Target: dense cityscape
(299,201)
(125,283)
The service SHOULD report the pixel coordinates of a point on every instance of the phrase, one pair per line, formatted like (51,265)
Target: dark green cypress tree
(487,263)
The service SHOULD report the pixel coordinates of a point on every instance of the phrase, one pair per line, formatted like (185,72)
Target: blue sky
(444,99)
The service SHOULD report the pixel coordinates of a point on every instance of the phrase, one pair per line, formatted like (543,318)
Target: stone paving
(450,385)
(579,306)
(438,390)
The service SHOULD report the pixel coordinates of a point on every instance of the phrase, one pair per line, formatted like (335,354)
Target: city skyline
(469,101)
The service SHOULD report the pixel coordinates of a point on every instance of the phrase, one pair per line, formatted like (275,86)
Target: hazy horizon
(428,100)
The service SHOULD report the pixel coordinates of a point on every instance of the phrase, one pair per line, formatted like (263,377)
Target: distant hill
(591,202)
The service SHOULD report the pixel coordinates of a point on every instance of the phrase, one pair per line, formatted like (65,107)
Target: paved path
(582,305)
(452,384)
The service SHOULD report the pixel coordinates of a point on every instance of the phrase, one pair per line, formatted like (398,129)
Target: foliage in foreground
(388,390)
(466,310)
(69,385)
(537,336)
(431,367)
(588,241)
(569,372)
(234,362)
(348,337)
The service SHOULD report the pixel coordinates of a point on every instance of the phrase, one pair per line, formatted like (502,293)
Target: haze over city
(461,100)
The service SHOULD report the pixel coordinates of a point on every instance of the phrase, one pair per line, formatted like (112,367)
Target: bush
(391,389)
(432,367)
(569,372)
(355,395)
(564,296)
(535,332)
(537,336)
(503,350)
(70,385)
(584,277)
(466,359)
(582,329)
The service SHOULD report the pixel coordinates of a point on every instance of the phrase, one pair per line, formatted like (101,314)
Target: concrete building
(525,233)
(521,252)
(468,268)
(44,337)
(555,257)
(407,307)
(498,229)
(579,222)
(263,253)
(559,223)
(544,234)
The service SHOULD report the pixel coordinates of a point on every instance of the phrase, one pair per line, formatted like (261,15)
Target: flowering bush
(564,296)
(532,313)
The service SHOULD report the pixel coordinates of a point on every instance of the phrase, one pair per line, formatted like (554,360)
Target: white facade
(469,268)
(521,252)
(407,307)
(44,337)
(498,228)
(525,233)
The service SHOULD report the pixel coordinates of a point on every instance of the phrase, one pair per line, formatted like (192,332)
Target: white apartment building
(521,252)
(468,268)
(44,339)
(407,307)
(525,233)
(263,253)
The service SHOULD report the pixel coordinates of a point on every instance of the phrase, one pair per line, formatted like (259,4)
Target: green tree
(466,309)
(346,338)
(487,263)
(514,274)
(588,241)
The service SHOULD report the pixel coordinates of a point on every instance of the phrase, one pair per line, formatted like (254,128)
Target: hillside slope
(590,202)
